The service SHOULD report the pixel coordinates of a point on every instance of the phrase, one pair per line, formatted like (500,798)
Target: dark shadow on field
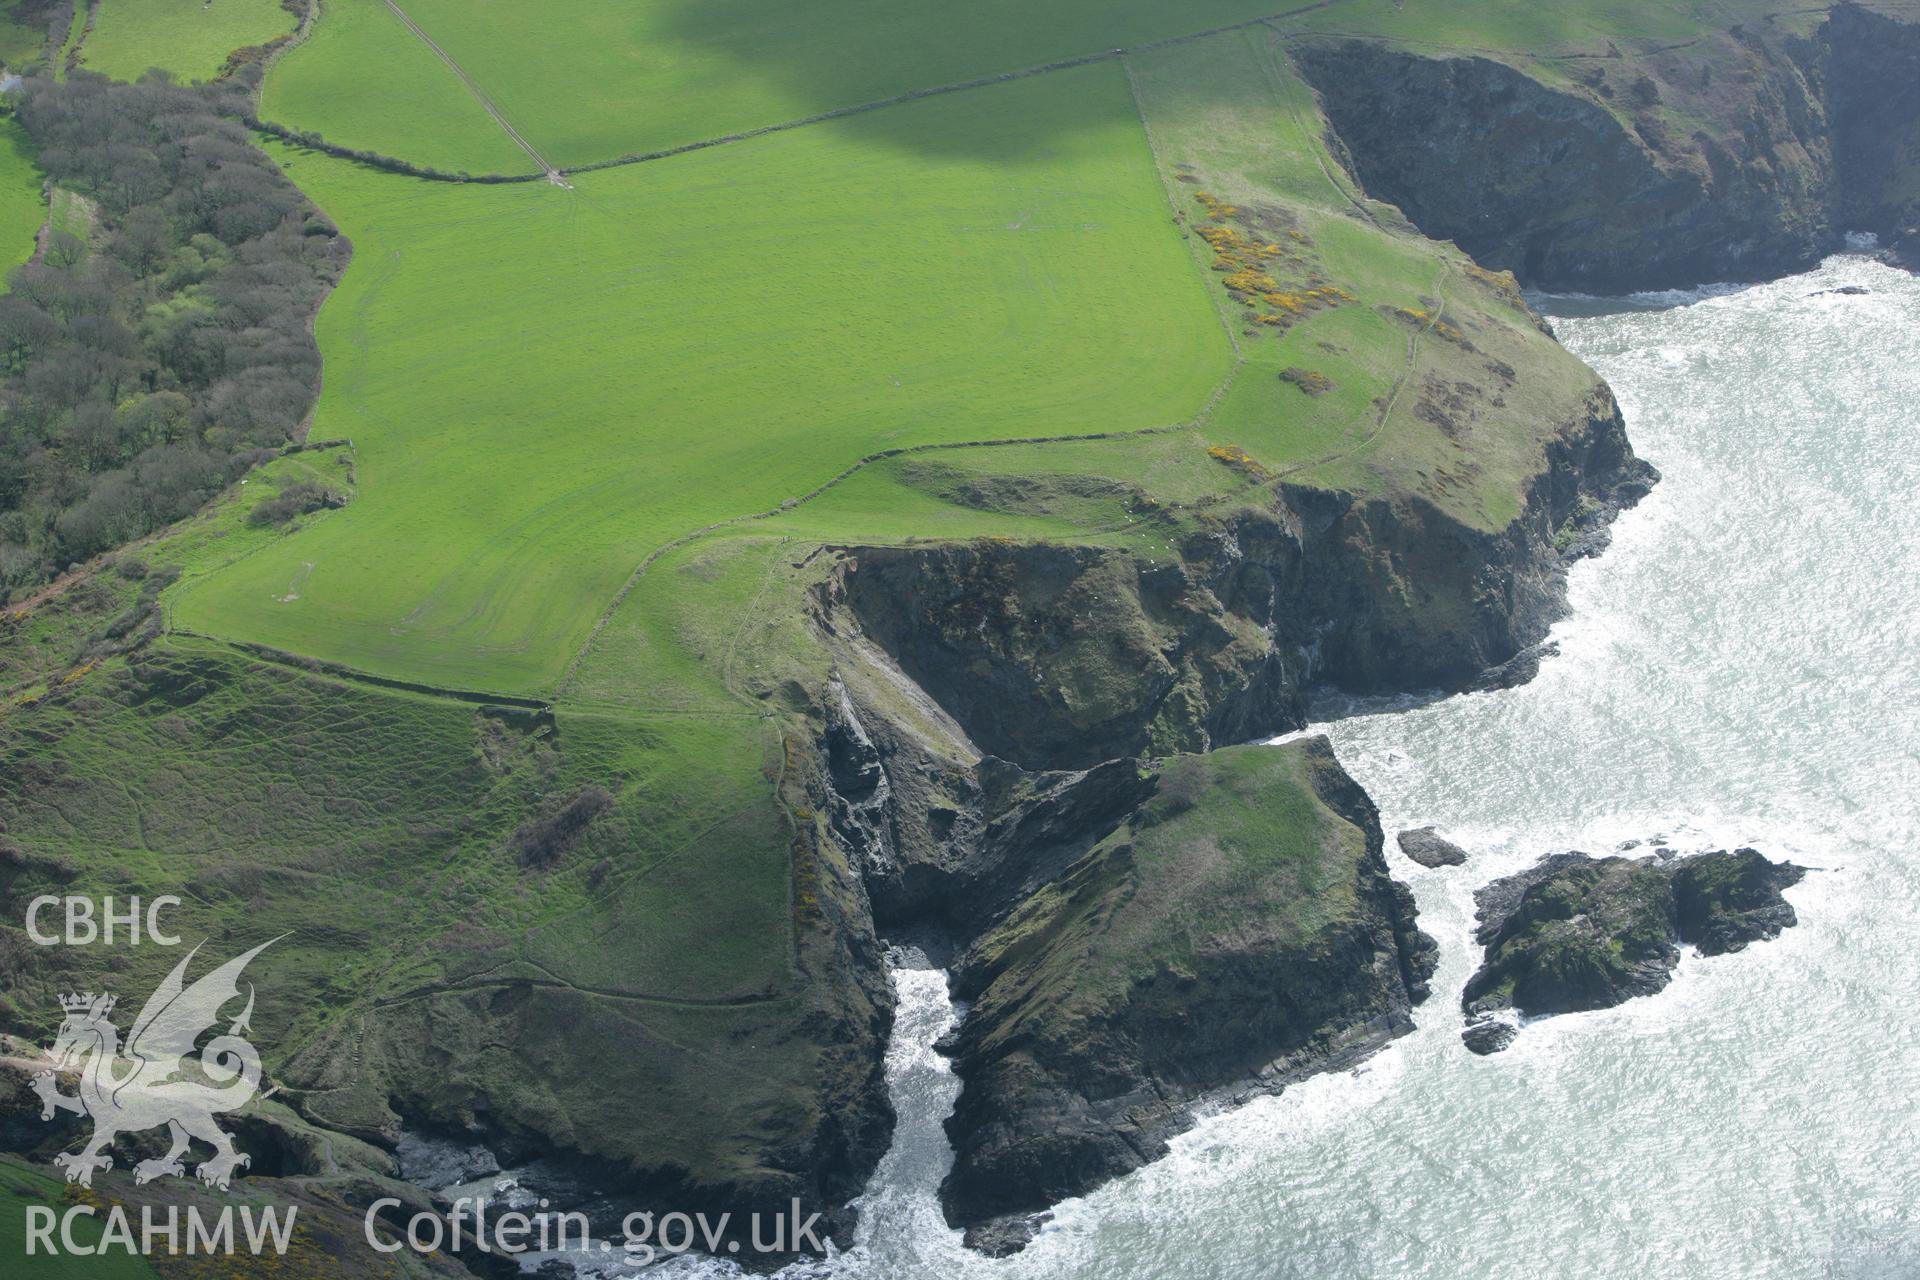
(833,55)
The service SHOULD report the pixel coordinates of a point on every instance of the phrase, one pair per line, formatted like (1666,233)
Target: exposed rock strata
(1238,932)
(1739,156)
(996,750)
(1059,657)
(1426,847)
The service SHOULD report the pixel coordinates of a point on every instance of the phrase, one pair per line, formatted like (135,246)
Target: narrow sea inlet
(1741,667)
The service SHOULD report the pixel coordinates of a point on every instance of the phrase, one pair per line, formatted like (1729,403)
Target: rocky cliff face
(1871,69)
(1237,932)
(1741,155)
(995,751)
(1062,656)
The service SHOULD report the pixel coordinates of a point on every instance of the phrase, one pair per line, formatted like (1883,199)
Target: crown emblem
(142,1086)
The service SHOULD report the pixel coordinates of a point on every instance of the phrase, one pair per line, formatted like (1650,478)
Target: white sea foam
(1741,668)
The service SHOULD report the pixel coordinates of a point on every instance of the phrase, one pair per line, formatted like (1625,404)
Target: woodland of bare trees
(160,339)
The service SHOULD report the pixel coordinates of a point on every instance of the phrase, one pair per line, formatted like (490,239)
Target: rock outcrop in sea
(1427,847)
(1027,757)
(1576,932)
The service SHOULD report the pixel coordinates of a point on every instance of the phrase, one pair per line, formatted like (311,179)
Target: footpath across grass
(362,80)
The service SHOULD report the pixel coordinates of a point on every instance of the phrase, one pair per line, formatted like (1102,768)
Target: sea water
(1743,666)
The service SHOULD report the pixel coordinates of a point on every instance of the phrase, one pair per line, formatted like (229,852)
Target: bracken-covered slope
(833,534)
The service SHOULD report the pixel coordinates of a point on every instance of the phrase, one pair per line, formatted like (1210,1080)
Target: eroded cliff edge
(1028,752)
(1009,723)
(1576,932)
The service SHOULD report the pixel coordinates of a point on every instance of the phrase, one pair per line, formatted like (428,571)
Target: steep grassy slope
(1240,923)
(22,1188)
(388,836)
(1332,450)
(1401,373)
(543,386)
(190,38)
(1418,403)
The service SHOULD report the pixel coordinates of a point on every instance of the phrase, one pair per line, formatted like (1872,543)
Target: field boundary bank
(328,668)
(551,172)
(381,161)
(75,49)
(57,34)
(547,170)
(847,473)
(66,579)
(395,164)
(277,48)
(1165,181)
(341,671)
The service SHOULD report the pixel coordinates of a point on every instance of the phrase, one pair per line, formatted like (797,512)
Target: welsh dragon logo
(150,1082)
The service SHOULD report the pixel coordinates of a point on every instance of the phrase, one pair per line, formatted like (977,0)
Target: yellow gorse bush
(1247,267)
(1240,460)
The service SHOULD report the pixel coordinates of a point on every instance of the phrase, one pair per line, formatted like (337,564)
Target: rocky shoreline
(1022,772)
(994,750)
(1428,848)
(999,762)
(1178,963)
(994,782)
(1026,758)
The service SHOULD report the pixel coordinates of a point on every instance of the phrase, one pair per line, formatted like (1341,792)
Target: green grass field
(543,386)
(1231,118)
(23,206)
(591,80)
(190,38)
(364,81)
(546,388)
(1228,117)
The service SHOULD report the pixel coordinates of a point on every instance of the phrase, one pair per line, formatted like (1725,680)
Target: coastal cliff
(1237,932)
(1029,756)
(1017,751)
(1057,656)
(1745,154)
